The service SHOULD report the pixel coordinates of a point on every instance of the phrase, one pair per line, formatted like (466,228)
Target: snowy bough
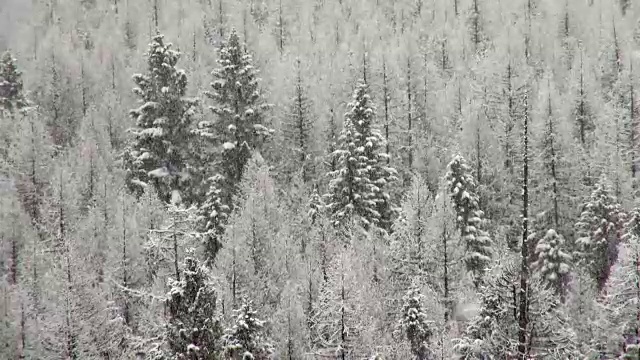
(470,218)
(358,186)
(159,154)
(493,333)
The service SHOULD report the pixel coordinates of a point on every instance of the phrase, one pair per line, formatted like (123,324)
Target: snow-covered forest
(319,179)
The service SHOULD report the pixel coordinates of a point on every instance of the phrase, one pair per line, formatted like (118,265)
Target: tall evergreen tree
(599,230)
(357,186)
(553,261)
(159,154)
(212,216)
(470,219)
(11,93)
(245,339)
(299,126)
(415,323)
(193,331)
(239,111)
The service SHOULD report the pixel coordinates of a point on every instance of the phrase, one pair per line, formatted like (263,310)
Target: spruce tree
(212,215)
(553,261)
(159,153)
(193,329)
(11,96)
(245,339)
(417,328)
(239,113)
(470,220)
(599,230)
(358,185)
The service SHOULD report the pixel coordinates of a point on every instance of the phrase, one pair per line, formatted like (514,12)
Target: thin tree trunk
(523,306)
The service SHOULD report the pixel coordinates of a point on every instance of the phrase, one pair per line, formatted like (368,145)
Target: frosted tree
(159,153)
(194,331)
(470,220)
(583,311)
(299,126)
(553,261)
(494,331)
(239,112)
(417,328)
(621,304)
(582,111)
(245,339)
(411,239)
(11,93)
(212,215)
(316,205)
(358,185)
(337,317)
(599,230)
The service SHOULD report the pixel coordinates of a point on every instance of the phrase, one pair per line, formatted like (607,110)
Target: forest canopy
(322,179)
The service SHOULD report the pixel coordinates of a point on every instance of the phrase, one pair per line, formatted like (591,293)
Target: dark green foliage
(469,218)
(159,155)
(245,340)
(11,96)
(416,326)
(194,331)
(239,112)
(358,186)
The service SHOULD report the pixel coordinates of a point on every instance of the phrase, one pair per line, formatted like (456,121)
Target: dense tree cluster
(319,180)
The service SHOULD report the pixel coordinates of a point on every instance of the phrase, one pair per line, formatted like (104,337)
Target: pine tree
(193,329)
(357,186)
(553,261)
(212,215)
(245,341)
(599,230)
(11,96)
(159,154)
(470,219)
(417,328)
(239,111)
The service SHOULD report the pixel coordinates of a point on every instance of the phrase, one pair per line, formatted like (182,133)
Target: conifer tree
(470,219)
(316,205)
(553,261)
(599,230)
(159,154)
(416,326)
(11,96)
(239,111)
(358,186)
(245,339)
(621,303)
(212,215)
(582,112)
(493,332)
(299,126)
(193,329)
